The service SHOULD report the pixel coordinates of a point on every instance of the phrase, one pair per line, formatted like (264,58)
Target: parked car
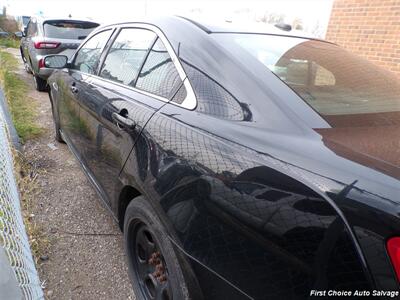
(4,34)
(240,164)
(45,36)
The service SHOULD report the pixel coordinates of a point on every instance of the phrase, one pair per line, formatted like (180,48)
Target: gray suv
(44,36)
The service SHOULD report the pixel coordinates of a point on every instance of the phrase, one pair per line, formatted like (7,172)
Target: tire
(149,249)
(27,68)
(22,55)
(57,135)
(40,84)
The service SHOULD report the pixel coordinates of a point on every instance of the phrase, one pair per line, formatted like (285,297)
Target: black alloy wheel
(149,263)
(158,271)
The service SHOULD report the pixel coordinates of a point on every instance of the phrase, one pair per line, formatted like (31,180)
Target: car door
(71,83)
(113,110)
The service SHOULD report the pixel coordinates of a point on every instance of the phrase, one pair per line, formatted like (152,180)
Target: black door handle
(122,122)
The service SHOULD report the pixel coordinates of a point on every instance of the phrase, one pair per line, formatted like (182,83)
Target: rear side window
(159,75)
(126,55)
(67,29)
(87,58)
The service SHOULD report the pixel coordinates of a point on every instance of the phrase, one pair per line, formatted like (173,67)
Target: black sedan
(240,164)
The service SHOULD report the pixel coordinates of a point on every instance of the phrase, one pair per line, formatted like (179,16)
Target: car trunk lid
(377,147)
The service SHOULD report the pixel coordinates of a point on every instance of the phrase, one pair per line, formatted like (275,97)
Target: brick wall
(370,28)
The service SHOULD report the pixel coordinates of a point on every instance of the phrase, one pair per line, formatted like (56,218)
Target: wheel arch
(127,194)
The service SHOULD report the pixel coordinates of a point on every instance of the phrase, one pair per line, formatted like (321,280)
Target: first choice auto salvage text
(356,293)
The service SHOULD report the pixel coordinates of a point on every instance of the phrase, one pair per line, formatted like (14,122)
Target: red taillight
(41,63)
(46,45)
(393,248)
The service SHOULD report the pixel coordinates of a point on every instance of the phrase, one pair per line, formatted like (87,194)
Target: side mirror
(56,61)
(19,34)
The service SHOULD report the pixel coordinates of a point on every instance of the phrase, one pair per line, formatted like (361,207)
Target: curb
(10,126)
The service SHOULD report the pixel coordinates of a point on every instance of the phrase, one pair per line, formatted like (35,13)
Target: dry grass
(24,115)
(27,175)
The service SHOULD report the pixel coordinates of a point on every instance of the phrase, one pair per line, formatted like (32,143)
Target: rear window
(340,86)
(66,29)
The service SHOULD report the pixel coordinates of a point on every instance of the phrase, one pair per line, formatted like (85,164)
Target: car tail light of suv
(46,45)
(41,63)
(393,248)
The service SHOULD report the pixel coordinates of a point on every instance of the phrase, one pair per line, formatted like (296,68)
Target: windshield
(67,29)
(342,87)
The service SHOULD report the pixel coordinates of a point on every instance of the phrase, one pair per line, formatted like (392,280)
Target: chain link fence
(18,275)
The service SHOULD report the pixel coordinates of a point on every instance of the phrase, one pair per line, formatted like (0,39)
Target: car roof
(219,26)
(43,19)
(231,26)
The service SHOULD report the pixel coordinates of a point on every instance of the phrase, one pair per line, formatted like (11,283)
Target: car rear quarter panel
(250,221)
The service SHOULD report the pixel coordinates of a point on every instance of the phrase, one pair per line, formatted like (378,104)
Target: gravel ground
(86,258)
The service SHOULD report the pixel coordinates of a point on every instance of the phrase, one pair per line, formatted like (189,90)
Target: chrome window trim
(129,88)
(166,100)
(190,101)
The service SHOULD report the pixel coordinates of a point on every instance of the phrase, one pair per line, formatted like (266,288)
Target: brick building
(370,28)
